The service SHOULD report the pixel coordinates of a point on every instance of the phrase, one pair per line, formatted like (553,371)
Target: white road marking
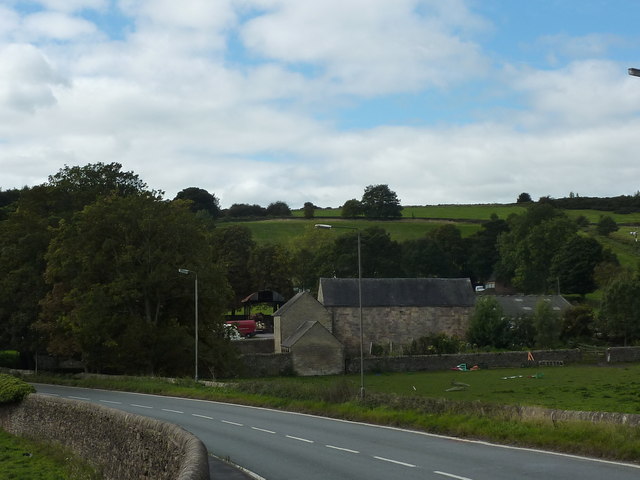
(171,411)
(262,430)
(78,398)
(450,475)
(299,439)
(139,406)
(201,416)
(111,402)
(232,423)
(342,449)
(395,461)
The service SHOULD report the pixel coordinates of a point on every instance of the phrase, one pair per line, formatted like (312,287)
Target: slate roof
(397,292)
(518,305)
(287,306)
(299,333)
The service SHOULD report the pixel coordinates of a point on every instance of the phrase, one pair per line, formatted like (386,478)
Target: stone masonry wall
(267,364)
(123,445)
(397,325)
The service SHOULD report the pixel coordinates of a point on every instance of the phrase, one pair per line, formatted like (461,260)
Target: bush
(13,389)
(9,359)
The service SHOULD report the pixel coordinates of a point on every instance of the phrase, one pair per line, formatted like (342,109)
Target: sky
(257,101)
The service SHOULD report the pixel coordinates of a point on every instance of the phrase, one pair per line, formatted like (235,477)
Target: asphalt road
(280,446)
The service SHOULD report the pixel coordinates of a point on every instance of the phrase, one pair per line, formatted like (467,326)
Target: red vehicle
(246,328)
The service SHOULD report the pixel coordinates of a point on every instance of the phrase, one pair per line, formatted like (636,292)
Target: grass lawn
(23,459)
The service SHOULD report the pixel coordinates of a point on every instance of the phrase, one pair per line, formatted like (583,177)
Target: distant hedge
(9,359)
(13,389)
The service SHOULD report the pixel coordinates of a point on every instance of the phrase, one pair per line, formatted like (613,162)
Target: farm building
(396,310)
(517,306)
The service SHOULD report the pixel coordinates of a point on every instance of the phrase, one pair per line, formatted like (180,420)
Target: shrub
(9,359)
(13,389)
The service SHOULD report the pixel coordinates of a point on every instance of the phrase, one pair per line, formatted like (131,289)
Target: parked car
(246,328)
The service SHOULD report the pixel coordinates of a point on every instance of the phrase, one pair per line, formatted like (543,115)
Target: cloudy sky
(446,101)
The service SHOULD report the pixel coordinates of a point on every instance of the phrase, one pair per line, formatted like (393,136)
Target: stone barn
(302,326)
(396,310)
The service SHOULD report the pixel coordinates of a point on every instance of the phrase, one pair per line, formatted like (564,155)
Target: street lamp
(322,225)
(635,72)
(184,271)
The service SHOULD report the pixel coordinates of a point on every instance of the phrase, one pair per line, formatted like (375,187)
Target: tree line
(89,267)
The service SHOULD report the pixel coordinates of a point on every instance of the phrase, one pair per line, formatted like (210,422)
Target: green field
(582,388)
(285,231)
(457,212)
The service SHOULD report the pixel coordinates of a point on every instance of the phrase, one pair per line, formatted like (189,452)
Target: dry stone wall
(122,445)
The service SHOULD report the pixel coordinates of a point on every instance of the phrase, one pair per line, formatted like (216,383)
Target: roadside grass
(21,458)
(486,410)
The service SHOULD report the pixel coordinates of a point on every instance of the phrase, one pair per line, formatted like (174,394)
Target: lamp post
(184,271)
(634,72)
(322,225)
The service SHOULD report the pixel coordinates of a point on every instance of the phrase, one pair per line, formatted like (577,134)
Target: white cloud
(27,78)
(366,47)
(73,5)
(55,25)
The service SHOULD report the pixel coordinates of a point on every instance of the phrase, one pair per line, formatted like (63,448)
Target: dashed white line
(396,462)
(299,439)
(262,430)
(171,411)
(232,423)
(139,406)
(342,449)
(78,398)
(111,402)
(202,416)
(450,475)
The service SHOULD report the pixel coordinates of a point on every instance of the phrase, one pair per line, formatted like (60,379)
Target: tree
(309,210)
(547,325)
(116,297)
(278,209)
(378,201)
(351,208)
(524,197)
(619,315)
(232,249)
(488,326)
(482,248)
(441,253)
(380,256)
(578,324)
(246,210)
(527,249)
(606,225)
(574,263)
(270,266)
(200,200)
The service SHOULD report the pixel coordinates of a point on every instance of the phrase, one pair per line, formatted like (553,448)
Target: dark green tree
(527,249)
(524,197)
(233,247)
(245,210)
(606,225)
(574,263)
(578,324)
(270,266)
(309,210)
(351,208)
(113,272)
(488,326)
(380,255)
(278,209)
(482,248)
(619,315)
(201,200)
(547,324)
(378,201)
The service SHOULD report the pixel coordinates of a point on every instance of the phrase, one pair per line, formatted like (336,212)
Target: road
(281,446)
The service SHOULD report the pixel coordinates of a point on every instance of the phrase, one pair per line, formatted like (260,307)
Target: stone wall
(248,346)
(396,325)
(122,445)
(267,364)
(446,362)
